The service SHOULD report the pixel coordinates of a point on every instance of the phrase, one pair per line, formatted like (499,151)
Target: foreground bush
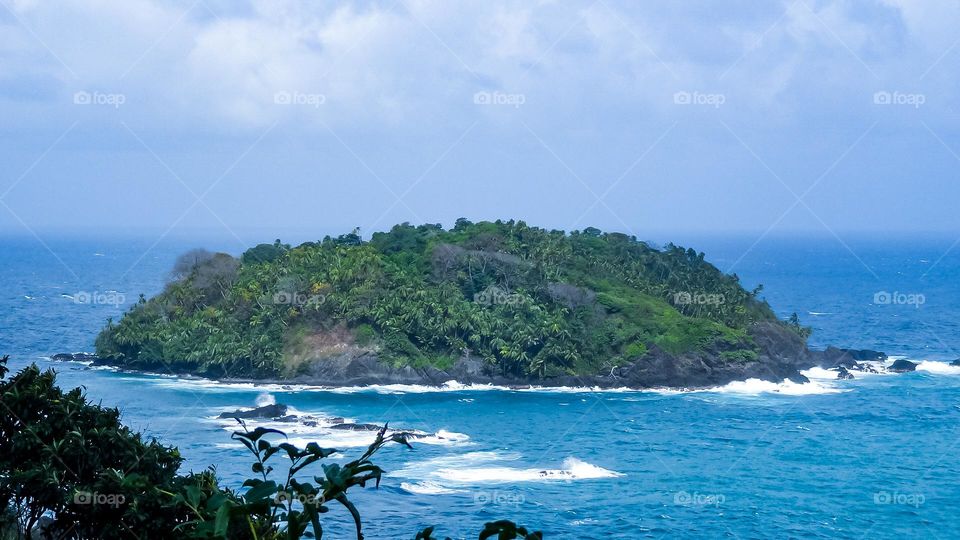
(70,470)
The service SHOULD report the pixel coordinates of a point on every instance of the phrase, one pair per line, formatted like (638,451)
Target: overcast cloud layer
(815,116)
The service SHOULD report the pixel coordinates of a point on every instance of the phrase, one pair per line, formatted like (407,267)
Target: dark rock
(375,427)
(267,411)
(865,368)
(866,355)
(833,357)
(842,373)
(902,366)
(75,357)
(955,362)
(357,427)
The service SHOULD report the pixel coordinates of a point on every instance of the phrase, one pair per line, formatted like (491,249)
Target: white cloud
(385,63)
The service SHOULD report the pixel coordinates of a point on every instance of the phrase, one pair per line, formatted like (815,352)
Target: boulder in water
(842,373)
(267,411)
(902,366)
(955,362)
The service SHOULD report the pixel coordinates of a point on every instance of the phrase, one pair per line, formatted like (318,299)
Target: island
(490,302)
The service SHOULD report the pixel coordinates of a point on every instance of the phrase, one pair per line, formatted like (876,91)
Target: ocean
(873,457)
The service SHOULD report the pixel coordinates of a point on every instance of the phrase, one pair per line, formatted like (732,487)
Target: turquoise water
(869,458)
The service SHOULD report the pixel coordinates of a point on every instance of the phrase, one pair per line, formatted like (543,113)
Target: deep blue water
(869,458)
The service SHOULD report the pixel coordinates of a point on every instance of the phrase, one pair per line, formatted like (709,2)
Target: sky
(280,118)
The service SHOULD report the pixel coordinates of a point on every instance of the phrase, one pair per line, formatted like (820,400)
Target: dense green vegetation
(528,301)
(70,470)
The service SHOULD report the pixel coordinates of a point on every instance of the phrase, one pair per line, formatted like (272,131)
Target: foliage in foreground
(70,470)
(527,301)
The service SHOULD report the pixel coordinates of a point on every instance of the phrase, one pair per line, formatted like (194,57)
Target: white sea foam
(449,386)
(576,389)
(200,384)
(265,399)
(427,488)
(485,467)
(98,368)
(572,469)
(787,388)
(342,438)
(938,368)
(819,373)
(317,426)
(197,384)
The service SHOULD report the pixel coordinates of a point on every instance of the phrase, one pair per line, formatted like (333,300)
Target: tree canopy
(528,301)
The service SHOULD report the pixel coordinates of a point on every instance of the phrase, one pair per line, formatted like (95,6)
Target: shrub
(70,470)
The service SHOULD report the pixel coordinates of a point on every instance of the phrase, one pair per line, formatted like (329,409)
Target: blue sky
(252,120)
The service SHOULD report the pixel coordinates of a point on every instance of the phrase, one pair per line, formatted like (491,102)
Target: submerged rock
(267,411)
(955,362)
(902,366)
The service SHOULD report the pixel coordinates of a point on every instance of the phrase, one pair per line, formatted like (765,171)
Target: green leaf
(222,520)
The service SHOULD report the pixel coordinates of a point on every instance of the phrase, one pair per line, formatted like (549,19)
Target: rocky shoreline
(783,355)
